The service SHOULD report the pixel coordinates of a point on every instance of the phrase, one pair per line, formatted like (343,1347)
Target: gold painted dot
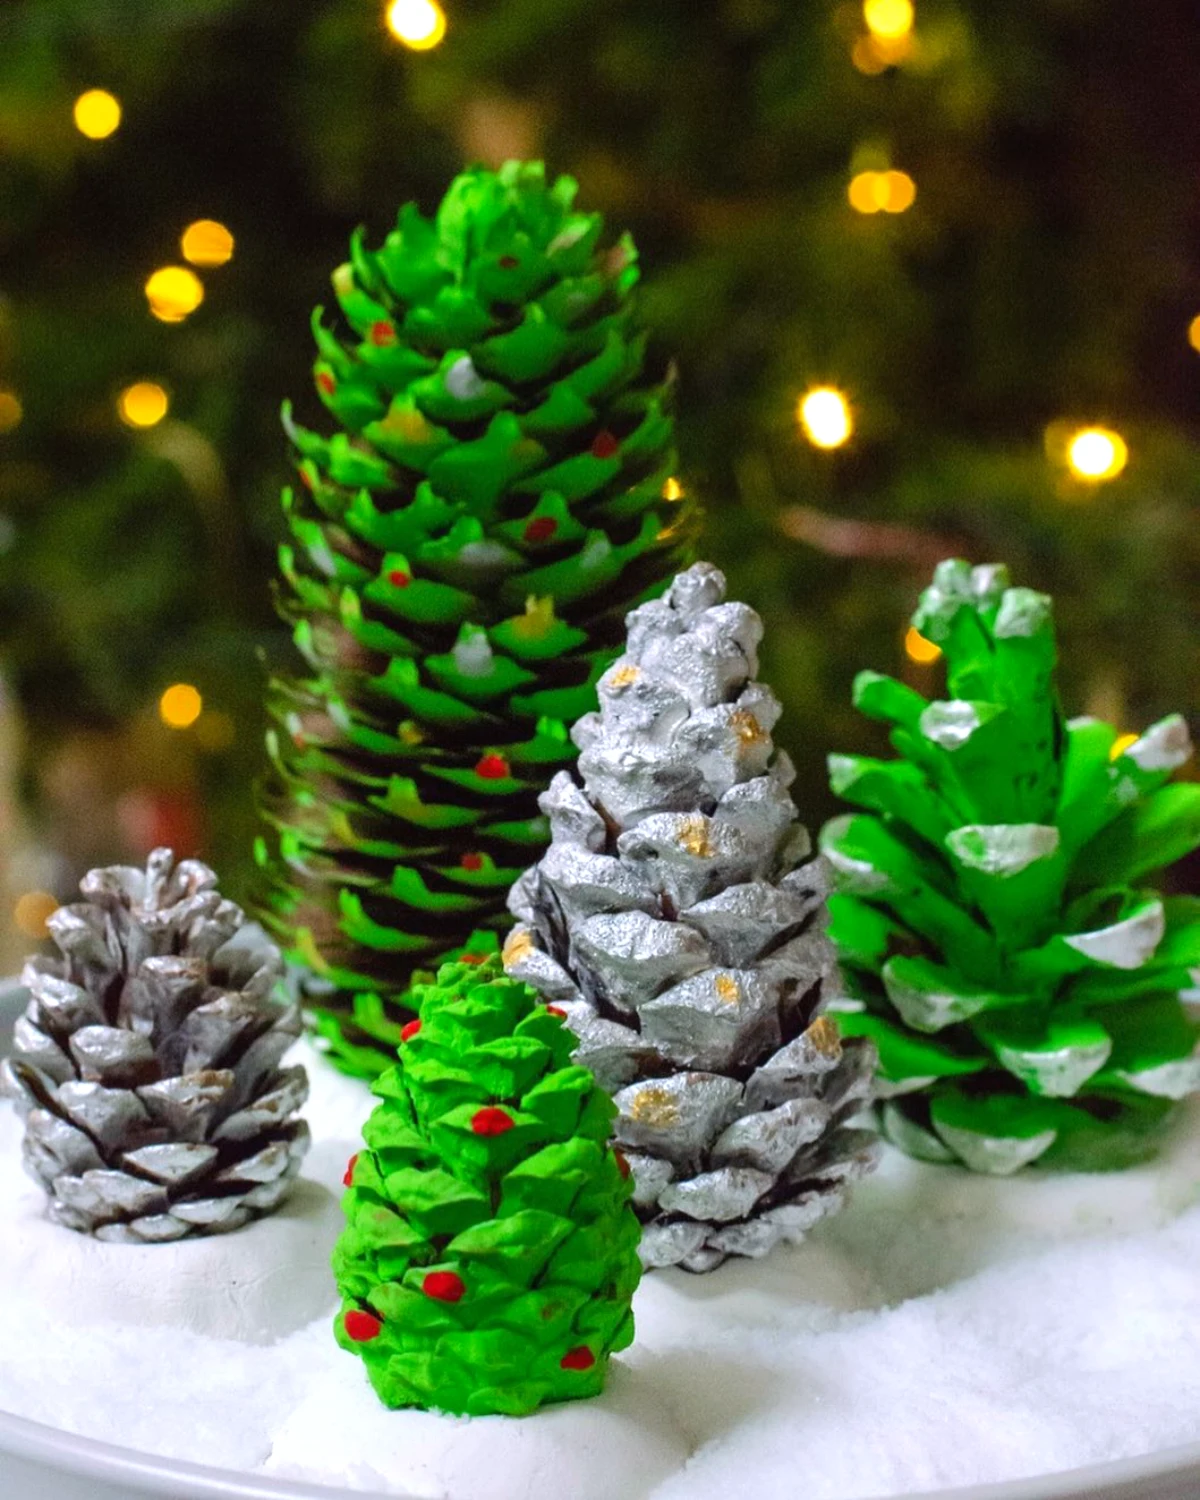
(825,1037)
(656,1107)
(517,947)
(746,727)
(693,836)
(538,618)
(407,424)
(728,989)
(623,676)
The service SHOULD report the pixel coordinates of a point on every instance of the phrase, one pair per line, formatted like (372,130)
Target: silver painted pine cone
(146,1065)
(679,921)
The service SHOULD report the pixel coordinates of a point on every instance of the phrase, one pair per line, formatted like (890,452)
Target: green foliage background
(1047,272)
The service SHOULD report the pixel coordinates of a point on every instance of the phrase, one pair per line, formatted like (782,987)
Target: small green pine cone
(1028,992)
(489,1258)
(462,553)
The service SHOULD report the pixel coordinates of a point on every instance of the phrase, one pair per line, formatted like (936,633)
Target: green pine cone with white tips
(1030,991)
(462,550)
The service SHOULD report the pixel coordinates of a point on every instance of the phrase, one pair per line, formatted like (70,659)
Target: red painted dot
(604,445)
(348,1180)
(579,1358)
(306,479)
(473,958)
(382,333)
(492,768)
(298,740)
(444,1286)
(409,1031)
(472,862)
(556,1010)
(362,1327)
(509,262)
(540,529)
(622,1162)
(326,383)
(491,1121)
(399,579)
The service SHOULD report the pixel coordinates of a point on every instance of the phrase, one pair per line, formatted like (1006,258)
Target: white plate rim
(1171,1474)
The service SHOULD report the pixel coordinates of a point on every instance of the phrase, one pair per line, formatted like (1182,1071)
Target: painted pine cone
(489,1258)
(147,1062)
(679,921)
(461,553)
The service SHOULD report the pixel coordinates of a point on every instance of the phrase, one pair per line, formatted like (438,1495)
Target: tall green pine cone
(490,1255)
(1028,993)
(461,556)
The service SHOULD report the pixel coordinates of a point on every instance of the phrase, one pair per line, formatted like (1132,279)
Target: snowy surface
(944,1330)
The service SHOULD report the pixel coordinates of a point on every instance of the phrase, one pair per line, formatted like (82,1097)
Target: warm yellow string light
(207,243)
(143,404)
(824,415)
(881,192)
(180,706)
(31,913)
(419,24)
(97,114)
(11,411)
(888,18)
(1194,333)
(173,292)
(1096,454)
(919,649)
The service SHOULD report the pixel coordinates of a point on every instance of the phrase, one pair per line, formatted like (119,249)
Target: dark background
(1044,279)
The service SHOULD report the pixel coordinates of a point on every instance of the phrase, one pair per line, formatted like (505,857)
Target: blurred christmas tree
(972,228)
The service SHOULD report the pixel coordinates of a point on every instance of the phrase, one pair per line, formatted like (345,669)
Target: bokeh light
(1097,453)
(919,648)
(1194,333)
(824,414)
(901,191)
(97,114)
(31,912)
(173,292)
(180,706)
(672,489)
(881,192)
(419,24)
(11,410)
(888,18)
(207,243)
(143,404)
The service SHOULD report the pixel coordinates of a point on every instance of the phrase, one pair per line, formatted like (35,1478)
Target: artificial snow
(943,1330)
